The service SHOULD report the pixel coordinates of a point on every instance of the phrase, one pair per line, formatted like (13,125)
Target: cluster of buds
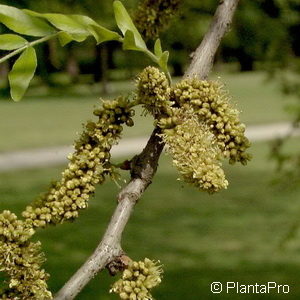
(154,16)
(153,91)
(212,106)
(21,261)
(88,166)
(138,279)
(12,229)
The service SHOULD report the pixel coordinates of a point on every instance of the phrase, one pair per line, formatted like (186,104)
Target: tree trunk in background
(72,66)
(42,69)
(49,61)
(53,55)
(177,69)
(101,66)
(218,60)
(246,61)
(4,87)
(4,69)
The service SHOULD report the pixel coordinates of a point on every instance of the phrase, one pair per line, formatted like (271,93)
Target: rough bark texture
(145,164)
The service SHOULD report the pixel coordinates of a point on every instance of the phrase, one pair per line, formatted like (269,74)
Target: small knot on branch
(118,264)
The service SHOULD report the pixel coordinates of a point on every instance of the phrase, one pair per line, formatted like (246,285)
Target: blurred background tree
(265,35)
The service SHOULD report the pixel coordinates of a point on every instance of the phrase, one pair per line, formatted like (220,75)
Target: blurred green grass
(200,238)
(50,118)
(46,119)
(259,98)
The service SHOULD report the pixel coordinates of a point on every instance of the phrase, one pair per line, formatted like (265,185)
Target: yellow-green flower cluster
(21,260)
(12,229)
(138,279)
(195,153)
(87,167)
(153,16)
(153,90)
(200,126)
(212,106)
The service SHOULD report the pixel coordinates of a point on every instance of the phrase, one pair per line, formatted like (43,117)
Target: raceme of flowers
(21,260)
(153,91)
(138,279)
(200,126)
(88,166)
(195,153)
(212,105)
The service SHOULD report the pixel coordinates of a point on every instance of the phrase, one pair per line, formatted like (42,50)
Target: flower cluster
(199,126)
(212,106)
(138,279)
(153,16)
(21,260)
(153,90)
(12,229)
(87,167)
(195,153)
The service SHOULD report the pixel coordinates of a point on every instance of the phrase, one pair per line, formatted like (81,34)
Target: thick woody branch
(108,249)
(145,165)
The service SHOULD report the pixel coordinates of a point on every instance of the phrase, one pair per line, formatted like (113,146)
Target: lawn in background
(200,238)
(51,118)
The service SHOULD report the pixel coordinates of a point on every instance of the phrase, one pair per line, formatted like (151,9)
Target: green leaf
(11,42)
(100,33)
(77,27)
(157,49)
(65,37)
(73,29)
(125,24)
(66,23)
(129,42)
(63,22)
(20,22)
(22,73)
(163,61)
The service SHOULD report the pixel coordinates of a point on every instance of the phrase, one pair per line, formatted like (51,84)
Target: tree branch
(202,61)
(145,164)
(31,44)
(143,169)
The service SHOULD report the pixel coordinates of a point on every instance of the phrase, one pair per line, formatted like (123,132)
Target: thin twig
(31,44)
(145,164)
